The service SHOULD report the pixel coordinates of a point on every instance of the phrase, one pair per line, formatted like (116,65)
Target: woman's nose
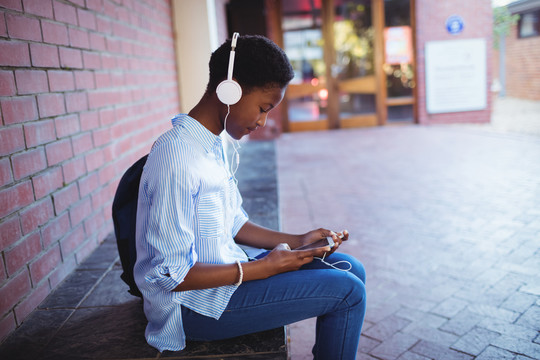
(262,120)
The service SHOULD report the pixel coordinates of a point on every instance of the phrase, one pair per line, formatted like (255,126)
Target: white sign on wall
(456,75)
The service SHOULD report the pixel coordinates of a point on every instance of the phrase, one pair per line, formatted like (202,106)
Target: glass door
(354,68)
(307,94)
(332,45)
(399,61)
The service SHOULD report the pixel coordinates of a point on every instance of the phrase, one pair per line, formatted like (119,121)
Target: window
(529,24)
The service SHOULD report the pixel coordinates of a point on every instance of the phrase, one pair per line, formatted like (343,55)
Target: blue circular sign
(454,24)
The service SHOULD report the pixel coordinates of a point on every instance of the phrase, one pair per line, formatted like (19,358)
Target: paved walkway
(447,222)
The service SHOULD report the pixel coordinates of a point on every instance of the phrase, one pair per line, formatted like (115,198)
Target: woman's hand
(321,233)
(282,259)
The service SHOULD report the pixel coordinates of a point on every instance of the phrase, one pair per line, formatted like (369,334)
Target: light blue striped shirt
(189,210)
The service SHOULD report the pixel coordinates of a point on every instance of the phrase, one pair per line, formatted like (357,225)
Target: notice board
(456,75)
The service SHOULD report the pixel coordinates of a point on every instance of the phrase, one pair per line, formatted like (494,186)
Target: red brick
(98,99)
(28,163)
(19,109)
(103,79)
(84,80)
(92,60)
(96,5)
(72,241)
(7,325)
(62,271)
(38,214)
(51,105)
(88,184)
(94,160)
(67,125)
(3,275)
(76,102)
(44,55)
(3,29)
(74,169)
(40,132)
(107,117)
(39,7)
(12,291)
(31,81)
(15,197)
(7,83)
(80,211)
(10,232)
(78,38)
(107,173)
(14,54)
(54,33)
(44,265)
(87,19)
(70,58)
(65,197)
(82,143)
(97,42)
(92,223)
(61,80)
(58,151)
(89,120)
(11,140)
(119,80)
(55,229)
(14,5)
(65,13)
(5,172)
(46,183)
(22,27)
(113,45)
(33,299)
(108,61)
(22,253)
(101,136)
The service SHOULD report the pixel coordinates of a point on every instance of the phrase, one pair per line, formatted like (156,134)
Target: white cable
(233,165)
(334,264)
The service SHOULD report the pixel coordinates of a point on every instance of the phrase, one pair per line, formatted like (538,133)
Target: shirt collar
(208,140)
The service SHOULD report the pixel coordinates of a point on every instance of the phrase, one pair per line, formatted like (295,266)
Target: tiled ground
(446,220)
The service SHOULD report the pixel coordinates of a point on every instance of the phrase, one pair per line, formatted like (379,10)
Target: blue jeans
(336,298)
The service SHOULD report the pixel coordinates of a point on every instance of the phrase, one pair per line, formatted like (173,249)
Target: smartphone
(328,241)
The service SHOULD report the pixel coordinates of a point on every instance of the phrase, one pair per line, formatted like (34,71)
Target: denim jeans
(336,298)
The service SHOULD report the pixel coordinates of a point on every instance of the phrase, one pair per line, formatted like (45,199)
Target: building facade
(515,65)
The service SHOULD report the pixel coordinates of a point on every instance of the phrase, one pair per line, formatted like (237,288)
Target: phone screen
(317,244)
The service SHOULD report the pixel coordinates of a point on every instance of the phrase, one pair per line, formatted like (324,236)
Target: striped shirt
(189,210)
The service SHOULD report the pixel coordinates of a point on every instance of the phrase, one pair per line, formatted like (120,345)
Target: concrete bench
(92,316)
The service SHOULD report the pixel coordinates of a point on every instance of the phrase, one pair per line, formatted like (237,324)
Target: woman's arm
(279,260)
(257,236)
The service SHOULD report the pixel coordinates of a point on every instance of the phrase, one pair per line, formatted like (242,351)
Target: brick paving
(446,220)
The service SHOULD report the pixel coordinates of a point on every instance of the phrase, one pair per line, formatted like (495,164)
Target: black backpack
(124,213)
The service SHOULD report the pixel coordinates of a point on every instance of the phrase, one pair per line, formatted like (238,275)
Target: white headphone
(229,91)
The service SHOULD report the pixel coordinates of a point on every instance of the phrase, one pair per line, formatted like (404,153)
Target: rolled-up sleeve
(165,220)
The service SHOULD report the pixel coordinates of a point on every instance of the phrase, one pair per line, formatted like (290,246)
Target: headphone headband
(231,56)
(229,91)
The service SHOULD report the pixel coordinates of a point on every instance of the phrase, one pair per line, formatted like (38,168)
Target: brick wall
(85,88)
(522,59)
(430,19)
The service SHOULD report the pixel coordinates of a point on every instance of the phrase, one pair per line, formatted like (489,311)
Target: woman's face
(252,109)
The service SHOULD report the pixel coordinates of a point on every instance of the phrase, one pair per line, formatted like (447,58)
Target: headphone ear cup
(229,92)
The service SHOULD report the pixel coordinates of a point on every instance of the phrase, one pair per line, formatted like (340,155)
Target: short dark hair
(258,63)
